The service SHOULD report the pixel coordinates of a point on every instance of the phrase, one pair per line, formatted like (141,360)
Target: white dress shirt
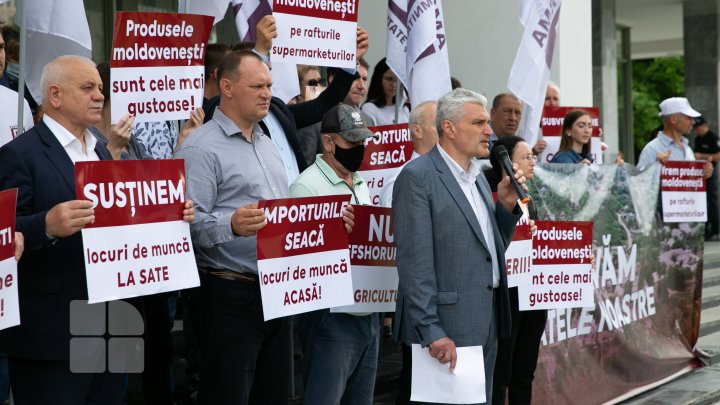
(71,144)
(466,180)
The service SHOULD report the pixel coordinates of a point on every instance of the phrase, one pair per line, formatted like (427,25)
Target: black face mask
(350,158)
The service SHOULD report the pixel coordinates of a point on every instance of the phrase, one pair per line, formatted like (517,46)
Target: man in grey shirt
(230,165)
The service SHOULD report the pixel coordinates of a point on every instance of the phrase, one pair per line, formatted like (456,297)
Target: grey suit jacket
(444,264)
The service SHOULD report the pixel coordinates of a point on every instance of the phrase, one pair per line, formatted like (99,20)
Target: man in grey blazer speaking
(451,240)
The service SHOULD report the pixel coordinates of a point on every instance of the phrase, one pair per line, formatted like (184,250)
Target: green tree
(653,81)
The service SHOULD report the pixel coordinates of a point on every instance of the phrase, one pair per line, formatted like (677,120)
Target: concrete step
(710,297)
(710,321)
(699,387)
(711,256)
(711,276)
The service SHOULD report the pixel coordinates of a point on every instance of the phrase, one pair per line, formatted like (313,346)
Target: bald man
(424,137)
(40,163)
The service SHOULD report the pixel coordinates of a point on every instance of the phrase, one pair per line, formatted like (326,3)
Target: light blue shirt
(225,170)
(661,144)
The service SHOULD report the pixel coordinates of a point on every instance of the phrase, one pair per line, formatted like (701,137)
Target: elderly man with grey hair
(451,240)
(424,137)
(49,363)
(51,273)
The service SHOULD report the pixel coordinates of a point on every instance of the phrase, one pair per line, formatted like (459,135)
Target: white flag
(531,70)
(417,48)
(214,8)
(61,28)
(247,14)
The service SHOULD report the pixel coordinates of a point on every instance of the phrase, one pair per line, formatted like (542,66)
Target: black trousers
(245,359)
(42,382)
(157,374)
(713,224)
(517,355)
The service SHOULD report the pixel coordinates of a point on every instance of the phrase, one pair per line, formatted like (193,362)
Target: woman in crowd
(575,141)
(311,83)
(517,355)
(380,104)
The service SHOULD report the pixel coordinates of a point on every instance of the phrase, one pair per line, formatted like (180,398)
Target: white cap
(674,105)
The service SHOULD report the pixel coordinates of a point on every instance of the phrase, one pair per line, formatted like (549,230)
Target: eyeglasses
(316,82)
(529,158)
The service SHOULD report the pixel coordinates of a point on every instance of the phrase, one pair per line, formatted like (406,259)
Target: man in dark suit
(51,273)
(451,240)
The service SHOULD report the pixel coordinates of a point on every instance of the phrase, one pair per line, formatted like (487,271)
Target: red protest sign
(553,118)
(313,32)
(391,148)
(682,176)
(303,257)
(158,59)
(683,192)
(159,39)
(562,242)
(299,226)
(346,10)
(8,200)
(126,192)
(371,241)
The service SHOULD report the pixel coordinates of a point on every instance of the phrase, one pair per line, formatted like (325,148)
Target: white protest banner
(372,256)
(320,33)
(561,273)
(552,127)
(391,148)
(9,308)
(303,256)
(158,65)
(138,244)
(682,187)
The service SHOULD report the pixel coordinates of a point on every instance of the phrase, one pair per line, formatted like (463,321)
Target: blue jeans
(341,357)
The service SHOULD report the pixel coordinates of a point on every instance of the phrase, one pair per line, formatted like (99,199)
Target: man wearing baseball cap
(340,349)
(678,119)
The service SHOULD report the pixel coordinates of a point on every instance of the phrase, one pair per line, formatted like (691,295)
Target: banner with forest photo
(647,282)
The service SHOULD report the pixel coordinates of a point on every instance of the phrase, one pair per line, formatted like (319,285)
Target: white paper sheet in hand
(433,382)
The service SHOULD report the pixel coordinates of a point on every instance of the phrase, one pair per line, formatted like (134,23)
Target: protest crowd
(457,193)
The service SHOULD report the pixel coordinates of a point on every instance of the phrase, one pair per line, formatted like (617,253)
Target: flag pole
(21,76)
(398,99)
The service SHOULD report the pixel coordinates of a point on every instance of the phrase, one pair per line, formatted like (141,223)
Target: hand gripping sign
(372,255)
(138,244)
(158,65)
(303,256)
(9,309)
